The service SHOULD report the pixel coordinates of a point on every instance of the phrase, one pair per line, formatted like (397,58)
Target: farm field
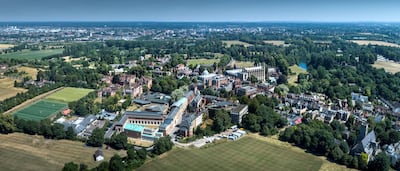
(6,46)
(374,42)
(248,153)
(32,72)
(40,110)
(275,42)
(391,67)
(32,55)
(29,152)
(69,94)
(202,61)
(229,43)
(7,88)
(292,79)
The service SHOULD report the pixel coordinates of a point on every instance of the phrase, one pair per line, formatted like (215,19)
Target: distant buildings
(245,73)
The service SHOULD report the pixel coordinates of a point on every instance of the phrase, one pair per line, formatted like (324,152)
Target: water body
(303,65)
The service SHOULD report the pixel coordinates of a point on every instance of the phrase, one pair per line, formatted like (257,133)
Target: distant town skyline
(202,11)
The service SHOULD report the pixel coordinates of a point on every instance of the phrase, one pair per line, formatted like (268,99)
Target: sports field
(40,110)
(69,94)
(31,55)
(248,153)
(28,152)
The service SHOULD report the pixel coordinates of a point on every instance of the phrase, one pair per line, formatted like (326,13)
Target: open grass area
(5,46)
(229,43)
(69,94)
(32,72)
(31,55)
(7,88)
(248,153)
(275,42)
(40,110)
(28,152)
(243,64)
(202,61)
(374,42)
(391,67)
(296,70)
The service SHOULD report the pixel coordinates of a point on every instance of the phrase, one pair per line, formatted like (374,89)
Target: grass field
(69,94)
(374,42)
(243,64)
(32,72)
(40,110)
(7,88)
(245,154)
(296,70)
(202,61)
(6,46)
(28,152)
(391,67)
(229,43)
(31,55)
(275,42)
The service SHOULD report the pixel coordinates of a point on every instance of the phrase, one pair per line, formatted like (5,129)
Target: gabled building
(367,145)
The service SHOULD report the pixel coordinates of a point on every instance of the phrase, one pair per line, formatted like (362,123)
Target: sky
(202,10)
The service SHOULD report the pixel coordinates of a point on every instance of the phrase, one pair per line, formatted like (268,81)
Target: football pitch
(245,154)
(40,110)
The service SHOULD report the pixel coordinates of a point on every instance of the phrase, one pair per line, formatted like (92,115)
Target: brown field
(6,46)
(275,42)
(7,88)
(229,43)
(32,72)
(243,64)
(292,79)
(391,67)
(374,42)
(29,152)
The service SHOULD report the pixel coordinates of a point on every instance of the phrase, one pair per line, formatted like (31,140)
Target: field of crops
(40,110)
(69,94)
(32,55)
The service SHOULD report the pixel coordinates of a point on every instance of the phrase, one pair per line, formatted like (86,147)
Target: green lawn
(69,94)
(40,110)
(202,61)
(245,154)
(28,54)
(229,43)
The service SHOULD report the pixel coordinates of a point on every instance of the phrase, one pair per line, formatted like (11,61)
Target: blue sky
(204,10)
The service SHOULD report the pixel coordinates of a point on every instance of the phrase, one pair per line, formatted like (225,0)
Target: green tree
(70,133)
(163,145)
(97,138)
(6,123)
(380,163)
(116,163)
(119,141)
(221,122)
(336,154)
(70,167)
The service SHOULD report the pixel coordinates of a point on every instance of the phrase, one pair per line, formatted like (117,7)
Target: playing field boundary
(31,101)
(40,110)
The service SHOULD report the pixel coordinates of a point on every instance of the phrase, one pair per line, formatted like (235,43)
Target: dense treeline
(167,84)
(67,75)
(85,105)
(261,117)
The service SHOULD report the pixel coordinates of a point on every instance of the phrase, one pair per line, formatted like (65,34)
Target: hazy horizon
(199,11)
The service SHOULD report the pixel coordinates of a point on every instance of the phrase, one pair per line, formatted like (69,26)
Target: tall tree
(6,123)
